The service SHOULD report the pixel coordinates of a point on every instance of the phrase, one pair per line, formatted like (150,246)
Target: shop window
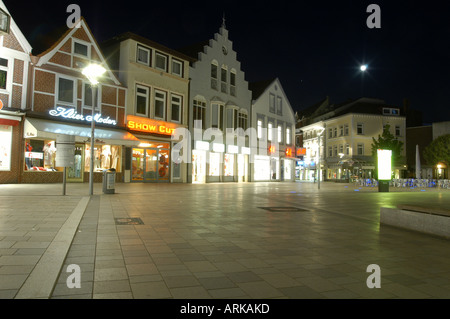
(214,164)
(228,168)
(105,157)
(40,155)
(5,147)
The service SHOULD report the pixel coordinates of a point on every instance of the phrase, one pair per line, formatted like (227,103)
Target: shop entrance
(75,172)
(150,165)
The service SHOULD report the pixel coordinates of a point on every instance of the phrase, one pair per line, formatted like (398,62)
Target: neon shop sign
(71,114)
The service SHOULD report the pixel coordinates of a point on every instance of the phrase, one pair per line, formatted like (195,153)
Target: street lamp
(363,67)
(321,129)
(93,72)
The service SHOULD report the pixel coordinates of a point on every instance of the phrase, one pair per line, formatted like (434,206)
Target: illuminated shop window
(5,147)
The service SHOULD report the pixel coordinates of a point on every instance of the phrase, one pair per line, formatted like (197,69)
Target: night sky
(315,48)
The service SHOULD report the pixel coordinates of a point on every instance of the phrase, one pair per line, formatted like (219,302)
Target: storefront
(40,150)
(10,128)
(151,160)
(212,164)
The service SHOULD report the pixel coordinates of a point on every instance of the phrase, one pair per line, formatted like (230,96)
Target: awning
(49,129)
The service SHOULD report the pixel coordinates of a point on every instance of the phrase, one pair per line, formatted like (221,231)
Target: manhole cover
(283,209)
(129,221)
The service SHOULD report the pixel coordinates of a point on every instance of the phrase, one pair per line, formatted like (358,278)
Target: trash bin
(109,179)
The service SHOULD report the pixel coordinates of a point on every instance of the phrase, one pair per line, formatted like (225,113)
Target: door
(150,165)
(75,172)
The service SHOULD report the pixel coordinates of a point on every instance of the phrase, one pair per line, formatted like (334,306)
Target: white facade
(220,99)
(274,120)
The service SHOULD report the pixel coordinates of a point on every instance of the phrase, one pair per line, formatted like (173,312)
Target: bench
(429,220)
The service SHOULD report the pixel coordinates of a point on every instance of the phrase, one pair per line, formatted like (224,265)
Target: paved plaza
(216,241)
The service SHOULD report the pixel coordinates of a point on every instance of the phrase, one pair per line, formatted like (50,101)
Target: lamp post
(93,72)
(321,129)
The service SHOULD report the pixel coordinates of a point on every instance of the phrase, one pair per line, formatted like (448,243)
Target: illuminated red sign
(147,125)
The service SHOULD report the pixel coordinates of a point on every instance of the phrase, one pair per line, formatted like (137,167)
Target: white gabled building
(274,120)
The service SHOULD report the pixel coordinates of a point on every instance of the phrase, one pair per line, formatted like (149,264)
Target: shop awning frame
(41,128)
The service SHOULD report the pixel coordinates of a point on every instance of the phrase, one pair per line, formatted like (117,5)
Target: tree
(438,151)
(387,141)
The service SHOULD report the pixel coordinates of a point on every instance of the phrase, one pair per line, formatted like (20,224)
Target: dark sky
(315,48)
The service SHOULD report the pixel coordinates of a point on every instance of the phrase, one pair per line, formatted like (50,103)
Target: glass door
(137,164)
(151,165)
(163,165)
(75,172)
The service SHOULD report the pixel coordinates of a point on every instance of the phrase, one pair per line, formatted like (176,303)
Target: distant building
(346,136)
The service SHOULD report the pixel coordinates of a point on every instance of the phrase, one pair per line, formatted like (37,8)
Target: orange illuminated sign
(272,149)
(301,151)
(146,125)
(289,152)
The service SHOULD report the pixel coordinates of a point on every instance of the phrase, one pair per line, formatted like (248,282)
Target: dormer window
(5,20)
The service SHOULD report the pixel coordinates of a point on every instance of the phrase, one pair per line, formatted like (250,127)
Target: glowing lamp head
(93,72)
(363,67)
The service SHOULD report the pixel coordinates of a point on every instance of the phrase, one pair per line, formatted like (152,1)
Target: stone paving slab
(214,242)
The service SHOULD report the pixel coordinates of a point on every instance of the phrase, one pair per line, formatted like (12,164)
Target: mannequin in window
(106,157)
(49,154)
(28,148)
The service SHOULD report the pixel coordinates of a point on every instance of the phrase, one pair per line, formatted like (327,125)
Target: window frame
(220,109)
(147,96)
(84,43)
(166,58)
(359,125)
(180,110)
(199,107)
(74,88)
(149,52)
(6,69)
(181,64)
(360,146)
(158,99)
(279,105)
(98,96)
